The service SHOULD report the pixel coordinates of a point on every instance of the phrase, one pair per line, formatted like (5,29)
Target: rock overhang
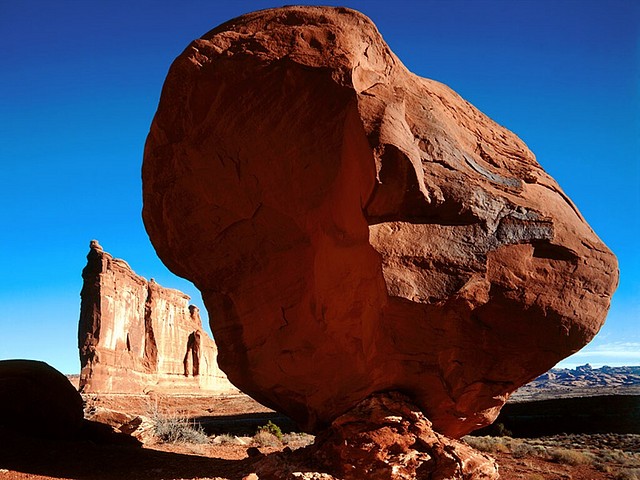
(355,228)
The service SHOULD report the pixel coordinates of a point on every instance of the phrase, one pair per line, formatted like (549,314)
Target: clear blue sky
(81,79)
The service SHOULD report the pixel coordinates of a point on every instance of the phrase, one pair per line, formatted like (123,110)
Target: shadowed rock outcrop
(355,228)
(383,437)
(136,336)
(37,400)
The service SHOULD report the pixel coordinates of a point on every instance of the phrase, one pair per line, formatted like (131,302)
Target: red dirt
(186,405)
(22,457)
(534,468)
(45,460)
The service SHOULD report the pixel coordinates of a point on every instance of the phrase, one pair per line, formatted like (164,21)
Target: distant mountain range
(579,400)
(583,381)
(586,376)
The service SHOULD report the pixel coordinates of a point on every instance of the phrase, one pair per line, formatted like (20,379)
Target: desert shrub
(604,467)
(483,444)
(266,439)
(226,439)
(273,429)
(501,430)
(179,429)
(617,456)
(630,474)
(570,457)
(520,449)
(488,444)
(297,440)
(535,476)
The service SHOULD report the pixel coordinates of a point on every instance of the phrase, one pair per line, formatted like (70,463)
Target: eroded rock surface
(383,437)
(355,228)
(136,336)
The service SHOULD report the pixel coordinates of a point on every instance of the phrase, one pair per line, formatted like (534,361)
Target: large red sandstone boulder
(37,400)
(355,228)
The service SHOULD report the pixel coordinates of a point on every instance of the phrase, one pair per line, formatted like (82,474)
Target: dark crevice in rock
(546,249)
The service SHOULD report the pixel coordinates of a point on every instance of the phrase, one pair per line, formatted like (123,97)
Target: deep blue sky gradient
(81,80)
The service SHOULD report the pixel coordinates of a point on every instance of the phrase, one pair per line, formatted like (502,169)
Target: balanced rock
(37,400)
(355,228)
(136,336)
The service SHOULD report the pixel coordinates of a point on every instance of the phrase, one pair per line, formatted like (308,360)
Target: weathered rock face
(386,437)
(37,400)
(355,228)
(383,437)
(136,336)
(138,427)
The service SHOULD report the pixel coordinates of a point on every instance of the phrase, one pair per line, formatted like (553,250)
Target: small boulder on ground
(37,400)
(139,427)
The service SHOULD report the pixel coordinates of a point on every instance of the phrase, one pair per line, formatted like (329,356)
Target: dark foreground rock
(37,400)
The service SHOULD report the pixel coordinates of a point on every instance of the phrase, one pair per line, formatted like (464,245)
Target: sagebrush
(179,429)
(273,429)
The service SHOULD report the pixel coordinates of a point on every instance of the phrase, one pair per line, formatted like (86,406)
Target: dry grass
(297,440)
(630,474)
(266,439)
(179,429)
(535,476)
(570,457)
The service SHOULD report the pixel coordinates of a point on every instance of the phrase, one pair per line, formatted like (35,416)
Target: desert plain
(229,443)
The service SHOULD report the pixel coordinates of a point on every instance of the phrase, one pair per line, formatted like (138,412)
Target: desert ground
(227,443)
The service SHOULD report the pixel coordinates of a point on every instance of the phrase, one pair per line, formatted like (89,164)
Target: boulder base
(384,437)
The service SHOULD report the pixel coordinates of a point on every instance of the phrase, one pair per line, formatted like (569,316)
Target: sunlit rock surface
(355,228)
(136,336)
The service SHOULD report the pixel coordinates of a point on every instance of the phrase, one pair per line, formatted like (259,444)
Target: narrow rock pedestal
(385,437)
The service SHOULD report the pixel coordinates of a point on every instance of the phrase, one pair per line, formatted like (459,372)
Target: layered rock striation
(136,336)
(355,228)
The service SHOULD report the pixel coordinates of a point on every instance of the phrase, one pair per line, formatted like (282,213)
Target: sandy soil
(189,405)
(533,468)
(22,457)
(40,460)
